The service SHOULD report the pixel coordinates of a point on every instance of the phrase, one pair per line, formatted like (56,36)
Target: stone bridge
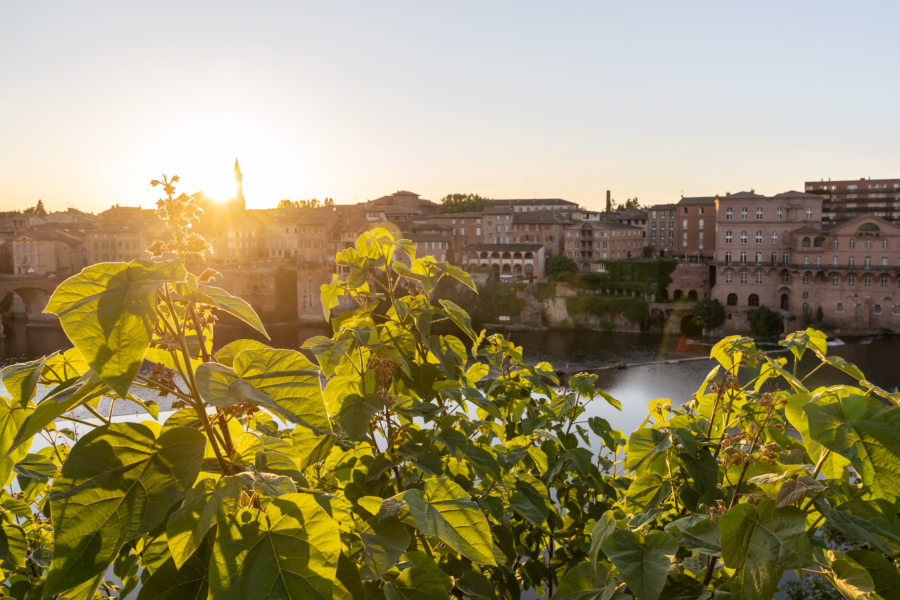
(26,296)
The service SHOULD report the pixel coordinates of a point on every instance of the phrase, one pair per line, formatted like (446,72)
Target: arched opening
(731,300)
(677,295)
(752,300)
(692,295)
(495,255)
(529,255)
(517,269)
(506,269)
(506,255)
(785,302)
(517,255)
(806,242)
(484,255)
(529,269)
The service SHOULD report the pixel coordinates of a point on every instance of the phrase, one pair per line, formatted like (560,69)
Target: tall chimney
(608,202)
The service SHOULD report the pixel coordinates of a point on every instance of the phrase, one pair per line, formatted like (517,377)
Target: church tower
(239,199)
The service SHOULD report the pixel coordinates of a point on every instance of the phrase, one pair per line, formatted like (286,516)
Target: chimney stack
(608,202)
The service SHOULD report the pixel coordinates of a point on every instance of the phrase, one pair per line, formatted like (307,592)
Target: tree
(401,462)
(37,209)
(764,323)
(454,203)
(559,264)
(708,314)
(630,204)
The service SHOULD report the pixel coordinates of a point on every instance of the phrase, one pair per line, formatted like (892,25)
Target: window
(700,212)
(806,242)
(778,213)
(727,237)
(774,237)
(884,261)
(729,275)
(884,281)
(759,237)
(759,258)
(805,260)
(785,258)
(867,281)
(805,295)
(731,300)
(834,260)
(744,213)
(840,307)
(743,237)
(759,214)
(805,307)
(774,258)
(729,214)
(851,261)
(743,258)
(759,277)
(835,280)
(877,309)
(867,261)
(851,280)
(835,244)
(884,244)
(818,261)
(806,279)
(809,212)
(852,243)
(728,257)
(868,244)
(743,275)
(785,278)
(752,300)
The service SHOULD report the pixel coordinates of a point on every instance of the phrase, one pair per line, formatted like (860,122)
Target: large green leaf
(289,550)
(885,574)
(383,543)
(290,380)
(61,400)
(850,577)
(354,413)
(582,582)
(11,420)
(643,445)
(21,380)
(443,509)
(867,433)
(203,506)
(190,581)
(216,296)
(642,560)
(759,542)
(109,312)
(118,482)
(419,579)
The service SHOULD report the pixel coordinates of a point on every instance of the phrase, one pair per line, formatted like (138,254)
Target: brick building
(589,241)
(695,227)
(847,199)
(660,229)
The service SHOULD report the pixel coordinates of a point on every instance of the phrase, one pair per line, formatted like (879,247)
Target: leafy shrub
(635,310)
(404,464)
(764,323)
(708,314)
(559,264)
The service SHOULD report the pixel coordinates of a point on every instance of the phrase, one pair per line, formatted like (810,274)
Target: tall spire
(240,183)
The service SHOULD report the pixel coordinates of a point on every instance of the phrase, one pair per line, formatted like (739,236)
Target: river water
(657,366)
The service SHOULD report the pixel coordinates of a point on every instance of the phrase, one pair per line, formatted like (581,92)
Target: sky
(355,100)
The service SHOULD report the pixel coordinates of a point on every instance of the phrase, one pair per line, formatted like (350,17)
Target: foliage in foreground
(403,464)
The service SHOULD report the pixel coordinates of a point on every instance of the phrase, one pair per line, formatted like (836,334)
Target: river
(657,366)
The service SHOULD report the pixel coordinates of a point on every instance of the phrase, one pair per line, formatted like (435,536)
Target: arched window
(692,295)
(731,300)
(806,243)
(529,255)
(752,300)
(678,294)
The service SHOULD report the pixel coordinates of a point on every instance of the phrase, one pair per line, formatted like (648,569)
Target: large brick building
(847,199)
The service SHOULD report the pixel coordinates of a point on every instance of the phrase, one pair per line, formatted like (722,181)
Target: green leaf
(383,543)
(216,296)
(288,550)
(117,483)
(354,413)
(60,401)
(419,579)
(109,312)
(884,574)
(190,581)
(330,292)
(643,561)
(204,504)
(290,380)
(445,511)
(643,445)
(604,526)
(226,353)
(850,577)
(459,317)
(582,582)
(11,421)
(759,542)
(13,546)
(21,380)
(867,433)
(698,533)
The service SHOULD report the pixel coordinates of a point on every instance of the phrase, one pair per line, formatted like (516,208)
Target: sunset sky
(504,99)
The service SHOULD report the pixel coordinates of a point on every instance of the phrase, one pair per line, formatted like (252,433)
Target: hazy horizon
(507,100)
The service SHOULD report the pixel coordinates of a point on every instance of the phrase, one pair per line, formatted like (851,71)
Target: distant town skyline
(506,100)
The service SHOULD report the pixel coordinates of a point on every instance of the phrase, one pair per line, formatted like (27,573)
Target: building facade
(695,227)
(660,229)
(845,200)
(590,241)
